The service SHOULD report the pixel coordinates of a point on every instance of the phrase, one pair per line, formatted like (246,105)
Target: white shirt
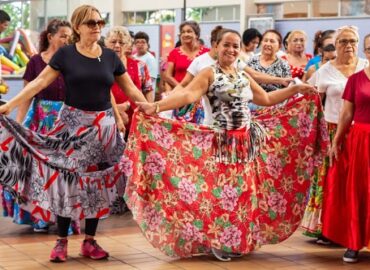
(332,82)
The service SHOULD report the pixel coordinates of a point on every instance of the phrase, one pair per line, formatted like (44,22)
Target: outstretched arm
(262,98)
(265,78)
(46,77)
(189,94)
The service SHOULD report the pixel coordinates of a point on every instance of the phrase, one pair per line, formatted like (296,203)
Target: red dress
(133,68)
(297,71)
(346,217)
(181,61)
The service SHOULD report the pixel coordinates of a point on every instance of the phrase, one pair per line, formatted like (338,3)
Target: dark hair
(215,32)
(142,35)
(4,16)
(225,31)
(178,43)
(250,34)
(131,34)
(193,24)
(201,41)
(365,38)
(285,40)
(280,38)
(318,41)
(52,29)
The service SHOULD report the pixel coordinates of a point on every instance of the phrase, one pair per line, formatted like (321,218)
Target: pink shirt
(357,91)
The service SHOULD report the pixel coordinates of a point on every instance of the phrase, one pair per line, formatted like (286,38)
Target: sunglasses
(92,23)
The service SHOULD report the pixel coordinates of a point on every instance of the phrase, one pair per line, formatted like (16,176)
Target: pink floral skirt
(186,200)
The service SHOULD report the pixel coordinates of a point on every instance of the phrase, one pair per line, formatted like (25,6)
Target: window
(149,17)
(355,8)
(328,8)
(296,9)
(214,14)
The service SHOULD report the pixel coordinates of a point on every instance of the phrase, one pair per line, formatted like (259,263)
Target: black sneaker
(350,256)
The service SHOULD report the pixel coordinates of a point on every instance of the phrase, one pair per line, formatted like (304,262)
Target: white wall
(138,5)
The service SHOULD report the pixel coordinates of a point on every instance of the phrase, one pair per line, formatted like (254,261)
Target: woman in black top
(72,171)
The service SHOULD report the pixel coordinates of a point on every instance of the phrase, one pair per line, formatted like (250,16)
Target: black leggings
(91,224)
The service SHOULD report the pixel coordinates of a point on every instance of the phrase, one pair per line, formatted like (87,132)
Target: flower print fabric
(186,201)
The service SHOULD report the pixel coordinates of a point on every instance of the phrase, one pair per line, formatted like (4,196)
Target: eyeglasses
(93,23)
(345,42)
(367,50)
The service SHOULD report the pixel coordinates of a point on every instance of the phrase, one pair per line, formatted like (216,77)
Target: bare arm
(150,96)
(191,93)
(23,108)
(187,79)
(308,74)
(46,77)
(130,89)
(168,75)
(265,78)
(262,98)
(345,120)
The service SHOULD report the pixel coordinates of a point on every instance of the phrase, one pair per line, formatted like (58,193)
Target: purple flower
(154,164)
(229,196)
(202,140)
(274,166)
(162,136)
(231,237)
(304,125)
(187,191)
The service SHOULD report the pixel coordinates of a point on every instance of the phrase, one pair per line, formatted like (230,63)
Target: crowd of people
(240,150)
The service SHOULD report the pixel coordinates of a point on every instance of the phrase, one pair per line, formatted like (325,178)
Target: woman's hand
(334,152)
(305,89)
(285,81)
(146,107)
(120,125)
(5,109)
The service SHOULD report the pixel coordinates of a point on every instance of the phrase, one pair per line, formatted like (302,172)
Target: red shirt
(357,91)
(181,61)
(297,71)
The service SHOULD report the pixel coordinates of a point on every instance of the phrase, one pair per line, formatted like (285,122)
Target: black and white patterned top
(280,68)
(228,97)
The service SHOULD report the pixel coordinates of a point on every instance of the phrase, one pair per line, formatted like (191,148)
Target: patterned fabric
(72,171)
(279,68)
(186,202)
(229,96)
(144,76)
(40,118)
(311,222)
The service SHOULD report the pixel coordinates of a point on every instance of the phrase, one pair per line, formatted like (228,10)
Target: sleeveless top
(228,98)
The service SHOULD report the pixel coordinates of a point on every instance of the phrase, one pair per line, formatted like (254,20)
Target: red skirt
(346,218)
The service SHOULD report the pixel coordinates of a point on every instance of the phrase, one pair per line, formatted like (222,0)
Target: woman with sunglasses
(330,81)
(347,198)
(72,171)
(44,110)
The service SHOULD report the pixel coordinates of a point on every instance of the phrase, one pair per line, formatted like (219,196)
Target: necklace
(91,54)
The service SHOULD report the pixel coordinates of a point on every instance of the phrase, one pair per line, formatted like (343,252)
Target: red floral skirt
(346,209)
(186,199)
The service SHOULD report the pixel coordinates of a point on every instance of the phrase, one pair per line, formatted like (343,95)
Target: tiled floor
(20,248)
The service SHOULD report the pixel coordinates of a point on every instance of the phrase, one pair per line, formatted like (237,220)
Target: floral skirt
(311,222)
(346,207)
(70,171)
(187,200)
(40,118)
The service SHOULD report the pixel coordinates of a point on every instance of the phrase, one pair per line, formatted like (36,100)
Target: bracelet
(156,107)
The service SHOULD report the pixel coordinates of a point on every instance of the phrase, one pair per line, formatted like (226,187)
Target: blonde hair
(346,28)
(121,31)
(79,16)
(292,33)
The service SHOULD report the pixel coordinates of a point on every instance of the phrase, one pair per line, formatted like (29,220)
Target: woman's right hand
(305,89)
(5,109)
(146,107)
(333,153)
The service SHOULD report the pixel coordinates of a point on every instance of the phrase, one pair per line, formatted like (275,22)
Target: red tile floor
(21,248)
